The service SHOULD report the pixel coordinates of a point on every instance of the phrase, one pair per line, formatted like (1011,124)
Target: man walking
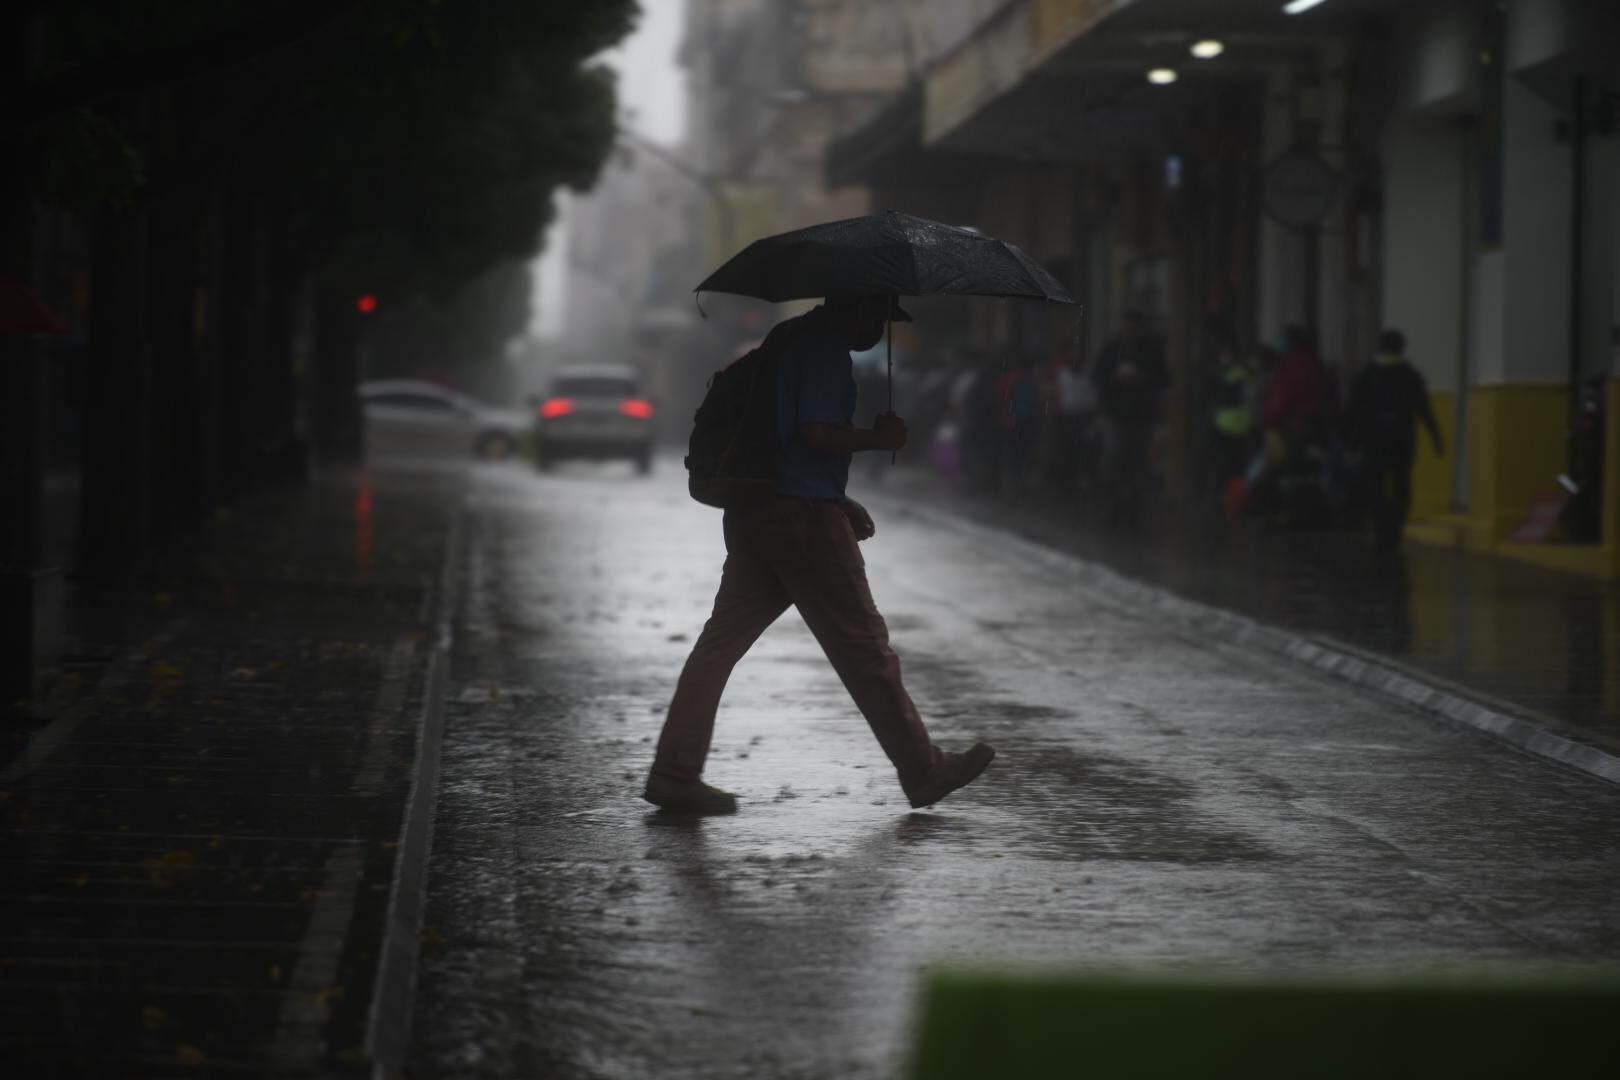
(800,548)
(1388,399)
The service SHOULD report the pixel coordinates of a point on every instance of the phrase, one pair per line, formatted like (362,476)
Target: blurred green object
(977,1026)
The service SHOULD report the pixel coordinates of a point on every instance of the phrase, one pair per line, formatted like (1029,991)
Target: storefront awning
(1066,80)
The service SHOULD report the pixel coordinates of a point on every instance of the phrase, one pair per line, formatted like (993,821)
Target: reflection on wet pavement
(1155,803)
(1074,805)
(1540,640)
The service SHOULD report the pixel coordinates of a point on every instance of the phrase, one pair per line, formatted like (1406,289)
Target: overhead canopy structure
(1066,80)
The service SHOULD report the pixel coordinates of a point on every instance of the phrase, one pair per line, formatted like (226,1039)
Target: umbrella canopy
(883,253)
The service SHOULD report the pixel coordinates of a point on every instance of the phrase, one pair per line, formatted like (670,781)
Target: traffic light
(366,304)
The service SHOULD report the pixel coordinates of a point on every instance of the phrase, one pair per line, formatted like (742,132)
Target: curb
(1532,732)
(394,987)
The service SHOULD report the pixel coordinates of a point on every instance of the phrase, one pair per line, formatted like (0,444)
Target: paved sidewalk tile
(197,851)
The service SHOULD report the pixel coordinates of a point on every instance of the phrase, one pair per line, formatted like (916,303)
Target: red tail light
(557,406)
(641,410)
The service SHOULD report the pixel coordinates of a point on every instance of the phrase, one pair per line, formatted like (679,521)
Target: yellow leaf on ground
(171,868)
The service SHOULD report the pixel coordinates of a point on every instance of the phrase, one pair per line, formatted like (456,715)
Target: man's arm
(860,520)
(1425,413)
(888,432)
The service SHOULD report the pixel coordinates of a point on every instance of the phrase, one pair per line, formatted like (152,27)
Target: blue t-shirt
(815,383)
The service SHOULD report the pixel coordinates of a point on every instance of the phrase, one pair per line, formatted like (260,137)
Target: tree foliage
(410,143)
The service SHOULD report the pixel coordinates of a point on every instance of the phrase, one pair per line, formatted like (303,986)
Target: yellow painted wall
(1601,559)
(1516,447)
(1611,473)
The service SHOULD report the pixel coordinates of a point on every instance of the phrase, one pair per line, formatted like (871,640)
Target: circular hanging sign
(1298,189)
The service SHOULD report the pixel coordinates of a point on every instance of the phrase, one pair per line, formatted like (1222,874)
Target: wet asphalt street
(1156,801)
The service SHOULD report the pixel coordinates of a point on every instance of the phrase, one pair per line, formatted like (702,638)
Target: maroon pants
(801,552)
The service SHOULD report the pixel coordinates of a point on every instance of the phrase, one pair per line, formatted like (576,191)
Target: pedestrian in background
(800,548)
(1247,494)
(1387,400)
(1295,488)
(979,426)
(1229,392)
(1131,378)
(1017,412)
(952,450)
(1077,409)
(1297,396)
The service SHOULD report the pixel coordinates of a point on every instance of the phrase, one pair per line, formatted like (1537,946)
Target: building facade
(1447,167)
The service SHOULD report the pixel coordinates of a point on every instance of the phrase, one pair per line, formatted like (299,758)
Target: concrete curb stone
(393,994)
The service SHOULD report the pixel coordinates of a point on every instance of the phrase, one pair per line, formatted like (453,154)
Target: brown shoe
(954,771)
(688,796)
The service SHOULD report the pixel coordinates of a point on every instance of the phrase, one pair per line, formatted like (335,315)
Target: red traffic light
(366,304)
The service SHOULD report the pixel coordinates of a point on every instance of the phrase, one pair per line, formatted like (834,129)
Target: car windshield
(594,386)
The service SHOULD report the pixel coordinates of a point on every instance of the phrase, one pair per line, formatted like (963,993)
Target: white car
(409,417)
(595,411)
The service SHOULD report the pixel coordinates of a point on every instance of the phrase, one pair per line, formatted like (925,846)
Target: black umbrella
(890,253)
(883,253)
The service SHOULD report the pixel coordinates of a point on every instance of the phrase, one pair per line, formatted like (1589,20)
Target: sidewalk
(1536,649)
(199,848)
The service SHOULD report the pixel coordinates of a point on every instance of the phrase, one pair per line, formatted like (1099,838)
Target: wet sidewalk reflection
(1535,639)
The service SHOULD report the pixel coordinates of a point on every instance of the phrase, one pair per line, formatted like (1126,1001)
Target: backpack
(734,453)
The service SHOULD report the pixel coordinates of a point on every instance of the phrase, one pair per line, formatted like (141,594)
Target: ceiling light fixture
(1208,49)
(1294,7)
(1162,76)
